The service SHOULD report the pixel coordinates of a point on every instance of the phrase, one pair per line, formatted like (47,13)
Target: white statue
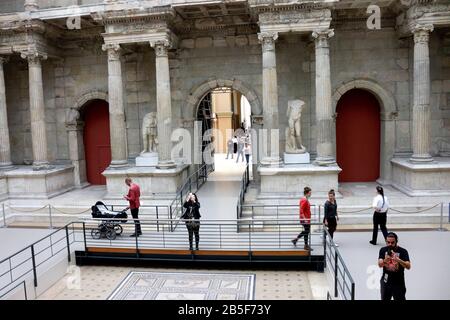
(293,132)
(149,133)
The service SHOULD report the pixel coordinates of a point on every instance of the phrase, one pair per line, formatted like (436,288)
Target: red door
(358,136)
(97,144)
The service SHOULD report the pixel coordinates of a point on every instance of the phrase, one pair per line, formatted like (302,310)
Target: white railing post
(4,215)
(50,215)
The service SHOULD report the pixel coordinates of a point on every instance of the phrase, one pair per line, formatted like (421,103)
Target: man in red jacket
(133,198)
(305,218)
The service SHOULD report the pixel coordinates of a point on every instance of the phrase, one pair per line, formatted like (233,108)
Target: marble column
(270,97)
(5,148)
(117,125)
(421,108)
(324,107)
(75,127)
(37,110)
(163,104)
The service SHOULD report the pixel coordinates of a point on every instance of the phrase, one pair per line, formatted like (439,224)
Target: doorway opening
(96,137)
(358,136)
(225,114)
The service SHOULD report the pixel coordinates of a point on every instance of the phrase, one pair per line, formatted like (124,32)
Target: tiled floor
(98,282)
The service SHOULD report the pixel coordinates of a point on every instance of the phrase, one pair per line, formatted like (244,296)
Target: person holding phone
(394,260)
(192,217)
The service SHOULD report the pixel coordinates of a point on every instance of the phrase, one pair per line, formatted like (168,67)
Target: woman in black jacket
(192,217)
(331,217)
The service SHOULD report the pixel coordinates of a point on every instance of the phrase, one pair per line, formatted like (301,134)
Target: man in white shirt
(381,206)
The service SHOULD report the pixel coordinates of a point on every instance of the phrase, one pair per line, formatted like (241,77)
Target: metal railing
(281,210)
(260,235)
(195,180)
(146,211)
(432,215)
(245,181)
(342,281)
(15,269)
(215,234)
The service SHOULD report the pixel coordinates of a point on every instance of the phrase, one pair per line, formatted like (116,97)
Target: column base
(271,162)
(118,163)
(39,166)
(421,158)
(168,164)
(6,166)
(324,161)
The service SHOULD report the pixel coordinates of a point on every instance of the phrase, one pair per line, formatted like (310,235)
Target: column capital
(422,32)
(161,47)
(34,57)
(113,51)
(267,40)
(4,59)
(321,37)
(31,5)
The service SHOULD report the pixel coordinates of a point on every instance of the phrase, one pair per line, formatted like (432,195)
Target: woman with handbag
(192,216)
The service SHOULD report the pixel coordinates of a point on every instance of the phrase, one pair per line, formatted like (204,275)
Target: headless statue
(149,133)
(293,132)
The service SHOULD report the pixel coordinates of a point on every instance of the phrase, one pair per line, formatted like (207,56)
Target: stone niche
(422,179)
(25,183)
(161,184)
(288,181)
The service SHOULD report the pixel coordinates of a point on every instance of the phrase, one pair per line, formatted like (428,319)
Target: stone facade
(164,56)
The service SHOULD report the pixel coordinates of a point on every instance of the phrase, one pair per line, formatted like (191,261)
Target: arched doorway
(228,113)
(96,138)
(358,136)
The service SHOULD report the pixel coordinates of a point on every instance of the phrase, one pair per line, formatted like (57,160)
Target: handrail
(33,254)
(17,285)
(218,233)
(201,174)
(347,285)
(245,181)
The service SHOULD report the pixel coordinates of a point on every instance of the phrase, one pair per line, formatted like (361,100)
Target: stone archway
(198,93)
(388,113)
(201,90)
(75,126)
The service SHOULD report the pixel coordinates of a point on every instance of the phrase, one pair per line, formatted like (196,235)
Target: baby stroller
(107,228)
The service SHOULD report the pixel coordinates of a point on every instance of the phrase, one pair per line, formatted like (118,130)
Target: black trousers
(247,158)
(305,233)
(191,231)
(332,224)
(389,291)
(379,218)
(137,223)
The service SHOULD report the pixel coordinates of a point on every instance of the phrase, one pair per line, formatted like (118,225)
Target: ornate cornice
(259,6)
(423,14)
(136,15)
(295,21)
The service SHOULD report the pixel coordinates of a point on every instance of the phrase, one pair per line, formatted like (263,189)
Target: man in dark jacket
(192,216)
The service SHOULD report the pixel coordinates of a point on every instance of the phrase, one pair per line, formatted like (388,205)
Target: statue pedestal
(147,159)
(296,158)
